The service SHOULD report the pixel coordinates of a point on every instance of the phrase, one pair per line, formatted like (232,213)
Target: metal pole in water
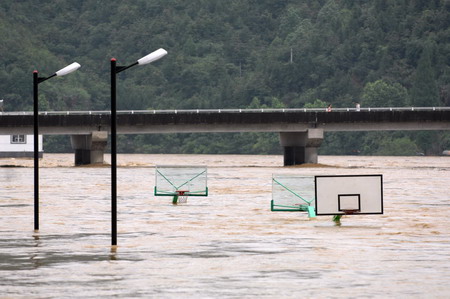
(36,148)
(114,71)
(113,155)
(36,80)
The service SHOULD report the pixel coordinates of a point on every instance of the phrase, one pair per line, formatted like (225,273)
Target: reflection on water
(228,244)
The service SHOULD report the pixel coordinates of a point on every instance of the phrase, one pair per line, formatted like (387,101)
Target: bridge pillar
(89,149)
(301,147)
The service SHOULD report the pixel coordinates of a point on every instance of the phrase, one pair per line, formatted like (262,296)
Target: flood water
(227,245)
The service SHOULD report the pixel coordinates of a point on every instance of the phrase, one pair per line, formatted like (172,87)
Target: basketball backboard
(349,194)
(187,180)
(293,194)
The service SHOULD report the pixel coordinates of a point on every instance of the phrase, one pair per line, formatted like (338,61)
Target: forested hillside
(233,54)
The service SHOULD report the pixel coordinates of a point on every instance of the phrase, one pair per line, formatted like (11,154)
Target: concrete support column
(89,149)
(99,141)
(301,147)
(293,155)
(82,147)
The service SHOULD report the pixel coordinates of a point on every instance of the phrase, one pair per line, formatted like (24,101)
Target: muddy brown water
(227,245)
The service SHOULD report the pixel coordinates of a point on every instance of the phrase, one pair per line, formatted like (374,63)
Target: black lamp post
(36,80)
(115,69)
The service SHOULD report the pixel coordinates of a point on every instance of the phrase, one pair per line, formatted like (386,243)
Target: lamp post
(115,69)
(36,80)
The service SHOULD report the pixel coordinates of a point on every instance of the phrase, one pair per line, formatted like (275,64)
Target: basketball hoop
(180,197)
(350,212)
(179,182)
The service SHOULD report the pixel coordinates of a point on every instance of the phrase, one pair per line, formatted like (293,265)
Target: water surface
(227,245)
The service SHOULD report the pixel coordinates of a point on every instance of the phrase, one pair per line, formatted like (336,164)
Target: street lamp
(115,69)
(36,80)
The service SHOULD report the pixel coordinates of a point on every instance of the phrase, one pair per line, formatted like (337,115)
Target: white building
(19,146)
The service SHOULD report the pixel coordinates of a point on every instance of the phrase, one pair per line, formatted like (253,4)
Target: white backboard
(361,194)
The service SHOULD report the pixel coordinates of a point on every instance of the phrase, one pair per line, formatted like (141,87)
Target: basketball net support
(299,208)
(180,197)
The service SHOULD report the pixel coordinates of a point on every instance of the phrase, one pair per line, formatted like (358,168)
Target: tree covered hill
(233,54)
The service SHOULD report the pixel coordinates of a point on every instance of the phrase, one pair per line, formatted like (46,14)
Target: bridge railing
(262,110)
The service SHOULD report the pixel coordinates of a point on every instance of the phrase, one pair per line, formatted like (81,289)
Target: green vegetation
(233,54)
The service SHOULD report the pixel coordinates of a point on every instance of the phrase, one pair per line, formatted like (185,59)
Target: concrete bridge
(301,130)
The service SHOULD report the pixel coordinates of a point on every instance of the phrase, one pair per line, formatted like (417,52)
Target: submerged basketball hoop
(181,197)
(293,194)
(335,195)
(180,182)
(349,194)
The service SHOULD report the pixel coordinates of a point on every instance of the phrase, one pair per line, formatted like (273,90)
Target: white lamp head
(68,69)
(158,54)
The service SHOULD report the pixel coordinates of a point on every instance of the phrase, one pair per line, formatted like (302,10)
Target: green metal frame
(176,195)
(300,208)
(189,193)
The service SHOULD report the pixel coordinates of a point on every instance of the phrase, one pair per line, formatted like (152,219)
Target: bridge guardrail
(262,110)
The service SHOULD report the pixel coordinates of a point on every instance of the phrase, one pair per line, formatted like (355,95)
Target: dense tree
(383,94)
(424,92)
(226,54)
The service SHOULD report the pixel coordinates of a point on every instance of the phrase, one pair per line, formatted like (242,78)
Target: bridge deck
(229,120)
